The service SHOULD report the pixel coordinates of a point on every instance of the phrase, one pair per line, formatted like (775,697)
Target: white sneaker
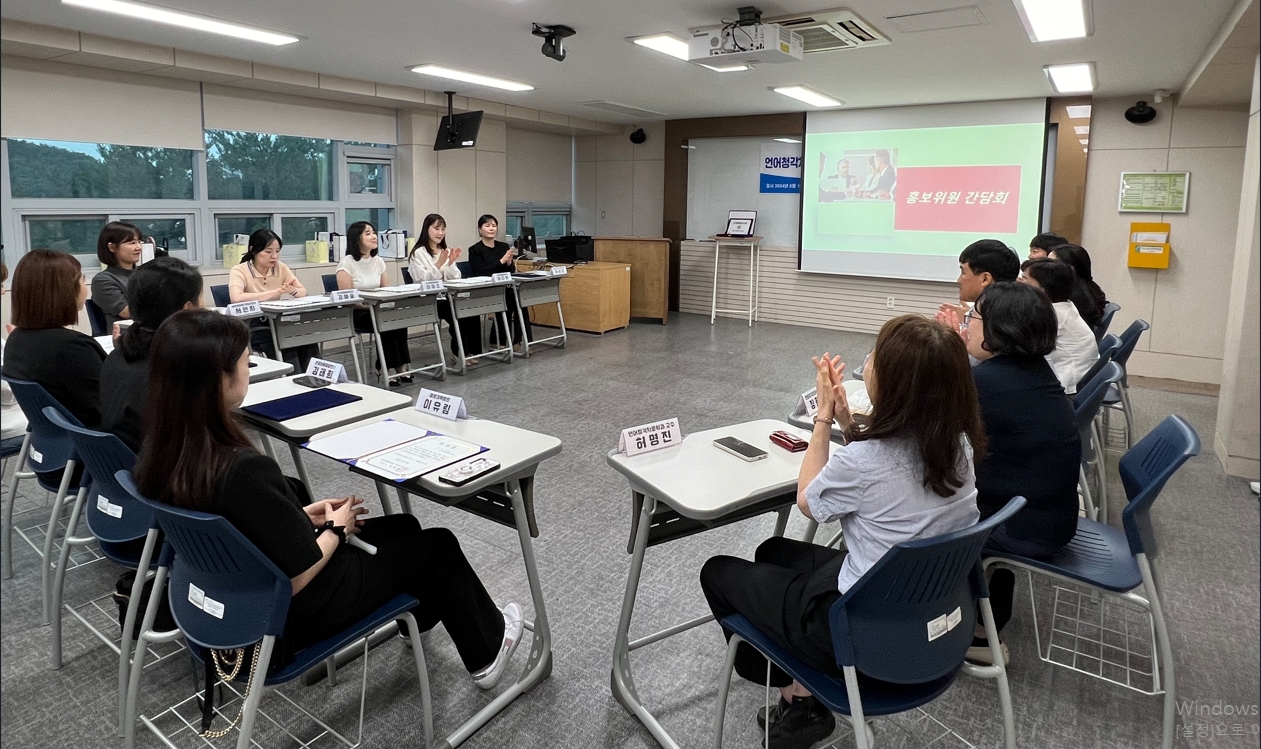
(489,677)
(1255,486)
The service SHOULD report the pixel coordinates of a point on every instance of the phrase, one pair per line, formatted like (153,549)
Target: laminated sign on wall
(780,168)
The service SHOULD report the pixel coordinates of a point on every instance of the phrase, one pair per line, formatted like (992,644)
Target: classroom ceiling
(1138,46)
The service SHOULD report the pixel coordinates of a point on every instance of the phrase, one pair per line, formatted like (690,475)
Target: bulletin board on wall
(727,174)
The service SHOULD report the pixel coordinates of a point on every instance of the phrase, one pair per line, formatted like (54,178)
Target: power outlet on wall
(889,302)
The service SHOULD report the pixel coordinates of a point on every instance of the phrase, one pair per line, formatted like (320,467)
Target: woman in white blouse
(362,269)
(432,260)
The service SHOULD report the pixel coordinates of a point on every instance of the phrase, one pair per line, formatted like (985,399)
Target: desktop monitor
(577,248)
(527,240)
(458,131)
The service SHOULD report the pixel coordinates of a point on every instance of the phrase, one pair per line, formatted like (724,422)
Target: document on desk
(466,283)
(395,450)
(303,302)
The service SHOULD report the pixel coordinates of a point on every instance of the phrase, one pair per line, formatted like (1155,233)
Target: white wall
(540,166)
(723,174)
(619,187)
(1186,304)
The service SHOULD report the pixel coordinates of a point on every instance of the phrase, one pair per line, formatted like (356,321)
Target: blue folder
(293,406)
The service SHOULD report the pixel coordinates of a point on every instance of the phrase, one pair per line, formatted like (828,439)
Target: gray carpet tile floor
(707,376)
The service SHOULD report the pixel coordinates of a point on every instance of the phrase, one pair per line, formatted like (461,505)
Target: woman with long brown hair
(906,473)
(196,456)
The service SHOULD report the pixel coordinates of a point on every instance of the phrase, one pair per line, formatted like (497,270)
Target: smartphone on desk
(742,450)
(462,473)
(310,382)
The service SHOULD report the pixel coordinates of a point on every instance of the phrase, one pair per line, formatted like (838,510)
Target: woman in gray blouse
(118,248)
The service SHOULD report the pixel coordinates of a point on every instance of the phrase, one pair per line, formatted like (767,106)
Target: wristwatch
(337,530)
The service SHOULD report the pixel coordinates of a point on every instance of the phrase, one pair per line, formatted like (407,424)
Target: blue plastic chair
(1109,311)
(1118,397)
(96,318)
(253,596)
(465,268)
(330,282)
(407,274)
(1107,348)
(116,520)
(878,628)
(49,449)
(221,294)
(1122,562)
(1086,405)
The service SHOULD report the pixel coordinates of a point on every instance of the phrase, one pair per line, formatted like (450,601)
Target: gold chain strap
(249,685)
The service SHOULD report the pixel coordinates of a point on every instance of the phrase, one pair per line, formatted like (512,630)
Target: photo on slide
(858,174)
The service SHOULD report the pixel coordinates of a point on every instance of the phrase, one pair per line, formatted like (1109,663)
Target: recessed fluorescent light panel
(726,68)
(813,98)
(186,20)
(1082,129)
(1078,112)
(787,140)
(474,78)
(1072,79)
(1083,141)
(1048,20)
(665,43)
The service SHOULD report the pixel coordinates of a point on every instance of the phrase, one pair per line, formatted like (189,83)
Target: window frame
(526,211)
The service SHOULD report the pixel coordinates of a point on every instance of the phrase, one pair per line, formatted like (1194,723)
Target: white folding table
(532,290)
(474,297)
(683,490)
(298,322)
(402,307)
(261,368)
(753,245)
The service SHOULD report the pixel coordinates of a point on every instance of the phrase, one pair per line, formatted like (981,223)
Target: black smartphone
(742,450)
(310,382)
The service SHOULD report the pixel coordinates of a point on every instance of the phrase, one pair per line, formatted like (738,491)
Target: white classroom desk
(298,322)
(505,496)
(687,489)
(474,297)
(403,307)
(261,368)
(294,432)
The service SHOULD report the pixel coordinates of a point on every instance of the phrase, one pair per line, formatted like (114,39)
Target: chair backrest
(96,318)
(221,295)
(113,514)
(1109,311)
(1129,341)
(910,618)
(51,447)
(1089,399)
(407,274)
(224,592)
(1107,347)
(1144,470)
(465,268)
(330,282)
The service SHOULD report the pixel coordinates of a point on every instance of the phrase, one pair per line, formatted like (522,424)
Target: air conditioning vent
(829,30)
(612,106)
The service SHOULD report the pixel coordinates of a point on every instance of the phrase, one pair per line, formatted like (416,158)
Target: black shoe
(802,724)
(777,712)
(405,379)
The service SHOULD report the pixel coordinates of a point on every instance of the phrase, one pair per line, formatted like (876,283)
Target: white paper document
(303,302)
(356,443)
(395,450)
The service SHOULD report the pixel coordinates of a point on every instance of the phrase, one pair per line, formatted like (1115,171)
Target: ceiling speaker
(1140,114)
(638,136)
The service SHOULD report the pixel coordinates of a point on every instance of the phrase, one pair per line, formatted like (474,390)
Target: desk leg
(275,340)
(621,680)
(757,277)
(296,452)
(376,335)
(812,529)
(267,446)
(781,522)
(752,275)
(387,505)
(713,302)
(523,322)
(539,666)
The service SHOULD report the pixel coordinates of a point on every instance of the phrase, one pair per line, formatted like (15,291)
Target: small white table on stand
(754,246)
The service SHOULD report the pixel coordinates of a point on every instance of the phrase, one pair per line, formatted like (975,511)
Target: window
(378,217)
(298,229)
(172,231)
(512,225)
(551,224)
(73,234)
(227,227)
(61,169)
(368,179)
(258,166)
(550,220)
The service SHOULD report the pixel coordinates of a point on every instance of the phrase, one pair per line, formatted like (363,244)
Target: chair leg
(1101,470)
(1166,650)
(1084,482)
(724,686)
(59,577)
(137,663)
(50,534)
(418,652)
(861,738)
(129,624)
(1004,688)
(7,514)
(250,711)
(1129,415)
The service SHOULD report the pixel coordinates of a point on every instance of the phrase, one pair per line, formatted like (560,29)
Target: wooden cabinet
(649,259)
(595,297)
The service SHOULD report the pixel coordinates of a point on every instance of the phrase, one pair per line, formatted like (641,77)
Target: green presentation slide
(923,191)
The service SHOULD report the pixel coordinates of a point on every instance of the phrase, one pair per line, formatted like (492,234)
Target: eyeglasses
(970,315)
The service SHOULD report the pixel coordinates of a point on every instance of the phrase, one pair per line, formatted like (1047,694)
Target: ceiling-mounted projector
(764,43)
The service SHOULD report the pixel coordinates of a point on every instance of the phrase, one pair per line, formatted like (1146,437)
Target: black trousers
(261,344)
(786,593)
(470,329)
(1002,582)
(427,564)
(510,296)
(393,342)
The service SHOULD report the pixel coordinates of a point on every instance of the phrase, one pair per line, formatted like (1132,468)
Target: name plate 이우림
(449,407)
(648,437)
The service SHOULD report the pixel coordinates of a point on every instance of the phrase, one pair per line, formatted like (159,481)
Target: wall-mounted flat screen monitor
(458,131)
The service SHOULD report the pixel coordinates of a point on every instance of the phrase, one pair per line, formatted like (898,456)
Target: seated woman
(1087,297)
(905,474)
(261,277)
(488,257)
(433,261)
(12,420)
(1076,349)
(158,289)
(196,456)
(362,269)
(1034,447)
(118,249)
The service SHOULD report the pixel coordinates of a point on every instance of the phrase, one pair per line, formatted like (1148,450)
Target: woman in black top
(48,292)
(1034,447)
(118,249)
(1087,297)
(196,456)
(158,289)
(490,256)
